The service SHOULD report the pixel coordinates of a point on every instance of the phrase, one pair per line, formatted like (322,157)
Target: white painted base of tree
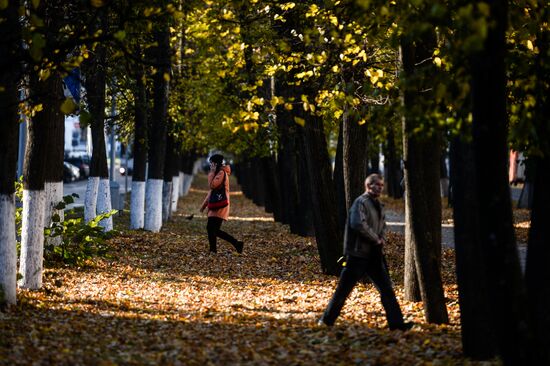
(137,205)
(180,189)
(32,240)
(175,192)
(153,205)
(53,192)
(104,203)
(8,252)
(166,201)
(187,180)
(90,200)
(196,166)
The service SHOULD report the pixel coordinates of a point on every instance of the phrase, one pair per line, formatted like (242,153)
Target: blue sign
(72,83)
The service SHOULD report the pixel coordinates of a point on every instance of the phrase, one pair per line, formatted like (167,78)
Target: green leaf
(85,118)
(68,106)
(120,35)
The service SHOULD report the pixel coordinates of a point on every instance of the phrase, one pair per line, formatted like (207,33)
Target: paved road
(79,187)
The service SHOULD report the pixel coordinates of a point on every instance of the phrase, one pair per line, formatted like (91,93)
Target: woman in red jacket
(218,210)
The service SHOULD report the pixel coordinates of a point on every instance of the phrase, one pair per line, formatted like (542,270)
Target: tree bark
(10,73)
(94,81)
(137,199)
(297,214)
(537,274)
(354,157)
(54,153)
(338,178)
(478,337)
(157,146)
(422,195)
(327,232)
(32,227)
(392,176)
(506,290)
(170,159)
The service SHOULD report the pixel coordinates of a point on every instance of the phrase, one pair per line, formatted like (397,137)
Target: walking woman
(217,202)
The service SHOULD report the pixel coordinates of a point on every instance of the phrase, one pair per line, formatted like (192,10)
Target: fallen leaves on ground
(162,299)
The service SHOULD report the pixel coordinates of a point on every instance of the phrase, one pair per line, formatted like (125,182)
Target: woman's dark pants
(213,227)
(355,269)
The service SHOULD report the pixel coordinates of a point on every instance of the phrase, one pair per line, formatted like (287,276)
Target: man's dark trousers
(355,269)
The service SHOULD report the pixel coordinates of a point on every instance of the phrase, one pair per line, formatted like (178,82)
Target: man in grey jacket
(363,243)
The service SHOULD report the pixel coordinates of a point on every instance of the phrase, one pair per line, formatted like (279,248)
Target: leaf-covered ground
(161,299)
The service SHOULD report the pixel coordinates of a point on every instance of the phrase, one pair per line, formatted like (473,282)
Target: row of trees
(289,86)
(43,42)
(465,76)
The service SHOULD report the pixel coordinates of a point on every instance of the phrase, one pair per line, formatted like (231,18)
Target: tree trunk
(290,155)
(506,287)
(338,178)
(327,232)
(54,154)
(97,190)
(411,285)
(391,167)
(168,178)
(272,189)
(258,183)
(478,337)
(10,73)
(422,195)
(157,146)
(188,161)
(175,164)
(354,158)
(32,227)
(374,158)
(537,274)
(137,196)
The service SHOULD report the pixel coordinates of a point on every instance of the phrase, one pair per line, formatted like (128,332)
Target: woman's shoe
(239,246)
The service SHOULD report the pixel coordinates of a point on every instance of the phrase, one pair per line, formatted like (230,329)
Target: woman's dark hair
(218,160)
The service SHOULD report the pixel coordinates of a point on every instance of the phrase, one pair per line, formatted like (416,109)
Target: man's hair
(373,178)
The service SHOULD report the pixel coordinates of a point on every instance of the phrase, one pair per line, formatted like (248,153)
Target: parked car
(70,172)
(82,163)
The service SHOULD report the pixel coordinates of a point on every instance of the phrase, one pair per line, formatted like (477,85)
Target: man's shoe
(321,322)
(239,246)
(404,327)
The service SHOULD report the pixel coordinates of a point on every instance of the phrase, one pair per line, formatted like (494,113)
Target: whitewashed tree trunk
(53,195)
(137,205)
(187,180)
(104,203)
(180,189)
(175,192)
(166,201)
(8,252)
(153,205)
(196,166)
(90,200)
(32,240)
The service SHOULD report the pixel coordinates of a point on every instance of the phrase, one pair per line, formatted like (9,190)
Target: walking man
(363,248)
